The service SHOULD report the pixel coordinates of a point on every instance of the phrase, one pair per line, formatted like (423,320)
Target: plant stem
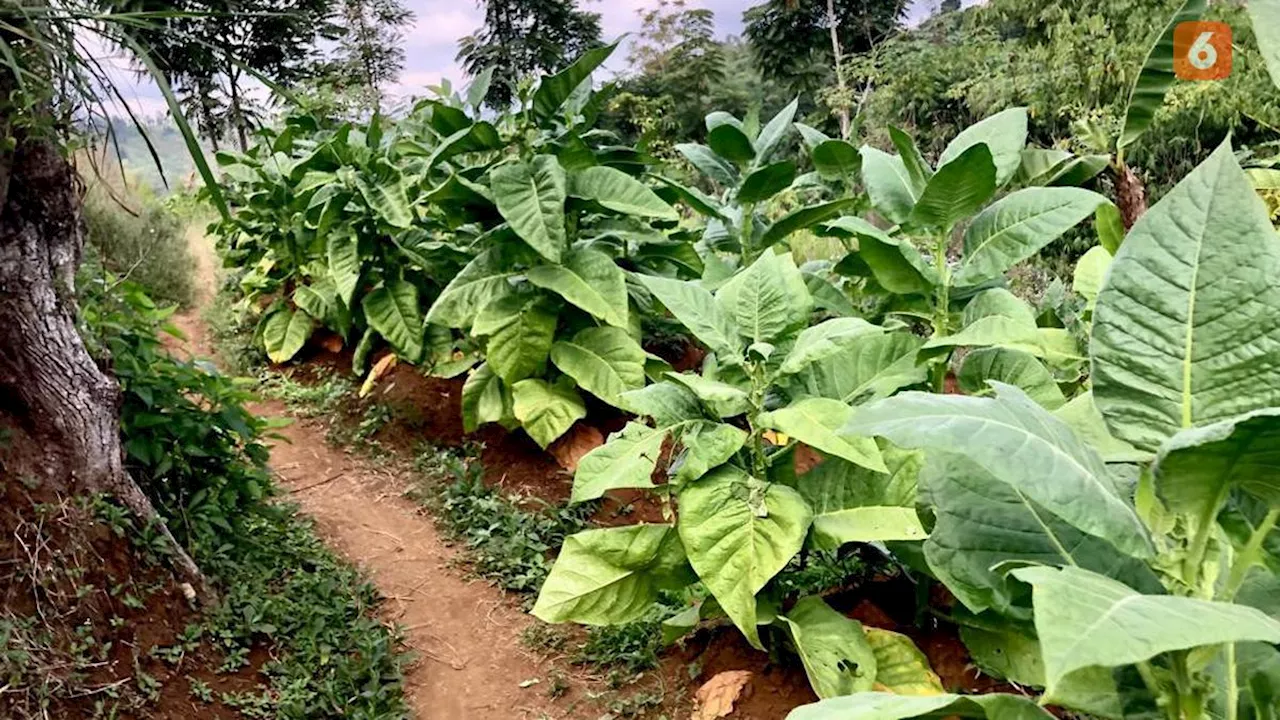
(941,308)
(1233,691)
(746,233)
(1190,705)
(1249,555)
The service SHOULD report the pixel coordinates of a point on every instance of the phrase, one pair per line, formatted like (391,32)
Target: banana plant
(1120,552)
(743,166)
(959,295)
(770,382)
(324,223)
(564,228)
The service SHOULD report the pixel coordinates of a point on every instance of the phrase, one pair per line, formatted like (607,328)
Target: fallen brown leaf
(573,445)
(716,697)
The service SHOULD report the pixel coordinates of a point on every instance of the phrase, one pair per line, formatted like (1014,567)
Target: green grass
(146,244)
(507,539)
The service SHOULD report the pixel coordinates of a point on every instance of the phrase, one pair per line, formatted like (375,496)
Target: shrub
(145,244)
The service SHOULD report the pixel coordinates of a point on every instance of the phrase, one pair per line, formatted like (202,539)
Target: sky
(431,42)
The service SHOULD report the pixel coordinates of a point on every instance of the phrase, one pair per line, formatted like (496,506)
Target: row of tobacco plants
(1094,481)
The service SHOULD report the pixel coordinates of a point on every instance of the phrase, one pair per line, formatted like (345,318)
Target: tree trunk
(43,361)
(834,23)
(237,113)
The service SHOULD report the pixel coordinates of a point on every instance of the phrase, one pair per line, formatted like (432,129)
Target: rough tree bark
(43,361)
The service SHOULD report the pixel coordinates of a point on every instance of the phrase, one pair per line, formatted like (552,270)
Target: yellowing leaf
(380,368)
(900,666)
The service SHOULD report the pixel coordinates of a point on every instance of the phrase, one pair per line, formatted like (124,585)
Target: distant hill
(175,160)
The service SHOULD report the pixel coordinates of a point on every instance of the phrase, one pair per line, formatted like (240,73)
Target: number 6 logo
(1202,50)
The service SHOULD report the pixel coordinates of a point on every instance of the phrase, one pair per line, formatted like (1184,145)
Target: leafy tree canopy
(522,37)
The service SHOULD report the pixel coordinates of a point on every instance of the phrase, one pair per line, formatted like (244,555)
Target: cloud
(415,82)
(435,28)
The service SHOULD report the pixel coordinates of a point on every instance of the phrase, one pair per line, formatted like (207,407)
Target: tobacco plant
(565,227)
(1120,552)
(958,291)
(740,514)
(324,221)
(741,164)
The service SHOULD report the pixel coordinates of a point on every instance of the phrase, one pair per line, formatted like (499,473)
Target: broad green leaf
(709,164)
(917,167)
(802,218)
(727,139)
(833,648)
(889,706)
(900,666)
(774,131)
(1197,469)
(999,301)
(853,504)
(627,460)
(590,280)
(889,184)
(722,399)
(837,160)
(825,339)
(1002,331)
(478,137)
(387,198)
(759,303)
(706,446)
(1005,133)
(1012,367)
(1265,15)
(1190,310)
(605,361)
(478,89)
(483,280)
(697,310)
(1109,226)
(896,265)
(768,299)
(310,301)
(1019,226)
(1091,271)
(692,197)
(872,368)
(1038,164)
(680,624)
(1156,76)
(344,264)
(393,311)
(554,90)
(1086,620)
(828,297)
(610,576)
(546,411)
(620,192)
(1021,445)
(811,136)
(519,330)
(766,182)
(1004,649)
(667,403)
(984,524)
(484,399)
(739,532)
(1082,416)
(956,190)
(530,198)
(819,423)
(284,333)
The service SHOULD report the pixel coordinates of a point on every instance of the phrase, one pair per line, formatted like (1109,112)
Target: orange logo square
(1202,50)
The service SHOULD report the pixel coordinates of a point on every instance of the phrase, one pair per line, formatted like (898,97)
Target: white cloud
(433,28)
(416,82)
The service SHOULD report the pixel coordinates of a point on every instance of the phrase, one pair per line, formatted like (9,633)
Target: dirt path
(466,633)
